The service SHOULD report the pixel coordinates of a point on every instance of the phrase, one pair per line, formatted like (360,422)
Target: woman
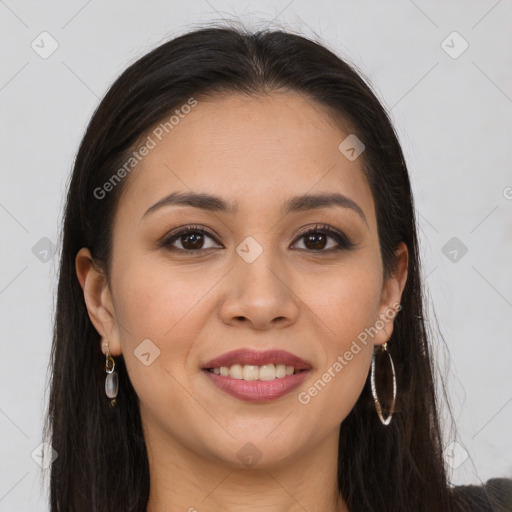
(240,313)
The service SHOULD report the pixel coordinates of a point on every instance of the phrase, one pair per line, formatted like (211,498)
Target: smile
(257,376)
(253,372)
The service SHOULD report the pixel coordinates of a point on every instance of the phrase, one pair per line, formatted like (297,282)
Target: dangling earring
(387,420)
(111,381)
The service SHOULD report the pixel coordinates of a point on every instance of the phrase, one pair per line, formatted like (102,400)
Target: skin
(257,151)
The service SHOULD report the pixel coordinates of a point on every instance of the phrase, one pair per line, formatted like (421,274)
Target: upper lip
(258,358)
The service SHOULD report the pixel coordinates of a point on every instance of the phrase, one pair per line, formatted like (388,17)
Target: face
(191,284)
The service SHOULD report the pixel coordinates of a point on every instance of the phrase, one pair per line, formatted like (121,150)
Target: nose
(260,294)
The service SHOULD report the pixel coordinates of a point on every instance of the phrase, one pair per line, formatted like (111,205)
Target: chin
(255,451)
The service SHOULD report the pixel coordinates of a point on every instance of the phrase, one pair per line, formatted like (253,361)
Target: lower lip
(257,390)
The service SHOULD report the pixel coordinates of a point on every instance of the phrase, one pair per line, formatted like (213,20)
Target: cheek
(154,298)
(160,304)
(346,306)
(338,381)
(345,301)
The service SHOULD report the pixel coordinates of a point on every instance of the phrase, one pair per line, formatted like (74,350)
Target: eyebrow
(214,203)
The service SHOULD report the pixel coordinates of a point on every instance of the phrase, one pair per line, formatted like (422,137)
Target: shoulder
(493,496)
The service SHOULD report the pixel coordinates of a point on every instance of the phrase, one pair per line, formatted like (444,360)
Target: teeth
(280,371)
(236,371)
(253,372)
(267,372)
(250,372)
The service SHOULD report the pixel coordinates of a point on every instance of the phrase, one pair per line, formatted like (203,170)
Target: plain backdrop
(450,98)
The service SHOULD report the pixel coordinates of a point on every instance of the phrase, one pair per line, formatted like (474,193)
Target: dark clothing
(493,496)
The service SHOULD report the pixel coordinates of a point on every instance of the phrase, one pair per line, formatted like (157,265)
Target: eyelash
(343,242)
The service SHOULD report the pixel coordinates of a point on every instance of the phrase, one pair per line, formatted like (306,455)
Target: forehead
(253,151)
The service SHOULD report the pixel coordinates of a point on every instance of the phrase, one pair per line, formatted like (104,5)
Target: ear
(391,295)
(98,300)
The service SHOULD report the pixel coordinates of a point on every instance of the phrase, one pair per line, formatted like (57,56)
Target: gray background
(453,117)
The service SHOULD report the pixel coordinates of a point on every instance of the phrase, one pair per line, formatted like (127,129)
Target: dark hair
(102,458)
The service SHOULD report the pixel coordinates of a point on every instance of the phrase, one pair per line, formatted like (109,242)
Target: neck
(183,480)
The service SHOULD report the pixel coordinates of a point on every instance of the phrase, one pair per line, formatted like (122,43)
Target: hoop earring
(387,420)
(111,381)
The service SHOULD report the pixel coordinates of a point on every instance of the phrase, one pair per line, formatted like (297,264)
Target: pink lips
(257,390)
(258,358)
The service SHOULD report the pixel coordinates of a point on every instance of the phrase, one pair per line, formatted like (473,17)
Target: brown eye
(192,240)
(317,240)
(189,239)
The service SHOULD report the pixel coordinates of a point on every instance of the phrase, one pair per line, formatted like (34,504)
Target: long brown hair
(102,459)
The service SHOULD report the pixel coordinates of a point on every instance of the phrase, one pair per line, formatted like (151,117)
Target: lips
(246,385)
(257,358)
